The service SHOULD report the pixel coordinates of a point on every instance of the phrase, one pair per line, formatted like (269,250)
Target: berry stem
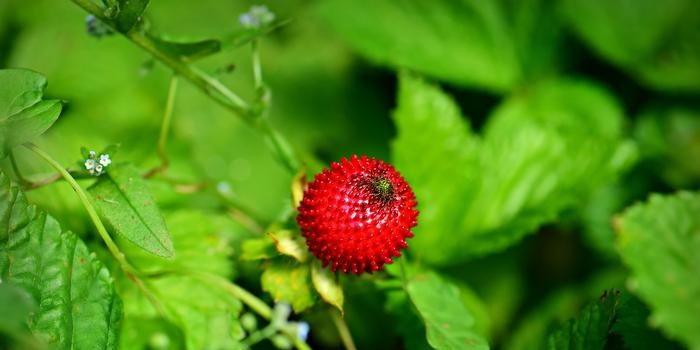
(343,329)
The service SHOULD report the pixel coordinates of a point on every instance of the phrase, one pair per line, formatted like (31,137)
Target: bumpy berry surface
(357,215)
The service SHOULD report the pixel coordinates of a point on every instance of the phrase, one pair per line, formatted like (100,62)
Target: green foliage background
(553,146)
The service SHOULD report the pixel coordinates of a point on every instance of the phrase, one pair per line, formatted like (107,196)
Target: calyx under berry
(357,215)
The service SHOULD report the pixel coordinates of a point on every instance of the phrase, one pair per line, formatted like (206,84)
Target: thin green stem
(258,336)
(210,86)
(130,271)
(236,291)
(343,329)
(33,185)
(257,67)
(167,118)
(164,129)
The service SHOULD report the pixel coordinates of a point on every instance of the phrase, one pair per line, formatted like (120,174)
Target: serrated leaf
(449,325)
(589,330)
(78,307)
(31,122)
(19,89)
(659,240)
(327,285)
(463,42)
(129,13)
(123,199)
(290,282)
(188,51)
(533,162)
(258,248)
(205,312)
(290,243)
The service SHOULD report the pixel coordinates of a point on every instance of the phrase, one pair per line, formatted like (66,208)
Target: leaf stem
(208,85)
(343,329)
(164,129)
(130,271)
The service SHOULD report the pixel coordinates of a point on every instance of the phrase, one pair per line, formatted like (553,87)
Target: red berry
(357,215)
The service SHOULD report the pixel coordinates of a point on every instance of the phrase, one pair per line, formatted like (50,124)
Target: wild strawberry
(357,215)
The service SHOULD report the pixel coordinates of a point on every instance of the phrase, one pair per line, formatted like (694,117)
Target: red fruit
(357,215)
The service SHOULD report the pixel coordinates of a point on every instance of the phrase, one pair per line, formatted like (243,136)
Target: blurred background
(332,70)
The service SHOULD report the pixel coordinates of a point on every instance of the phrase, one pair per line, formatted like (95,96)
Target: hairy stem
(130,271)
(210,86)
(343,330)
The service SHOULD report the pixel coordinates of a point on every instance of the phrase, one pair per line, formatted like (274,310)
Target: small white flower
(104,160)
(98,169)
(257,17)
(92,154)
(248,21)
(90,164)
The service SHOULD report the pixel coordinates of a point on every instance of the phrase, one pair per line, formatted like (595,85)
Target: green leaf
(150,333)
(656,42)
(659,240)
(31,122)
(668,142)
(129,13)
(632,324)
(204,311)
(204,247)
(19,89)
(16,305)
(463,42)
(188,51)
(327,285)
(542,151)
(290,243)
(406,322)
(124,201)
(589,330)
(449,325)
(258,248)
(23,115)
(78,307)
(290,282)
